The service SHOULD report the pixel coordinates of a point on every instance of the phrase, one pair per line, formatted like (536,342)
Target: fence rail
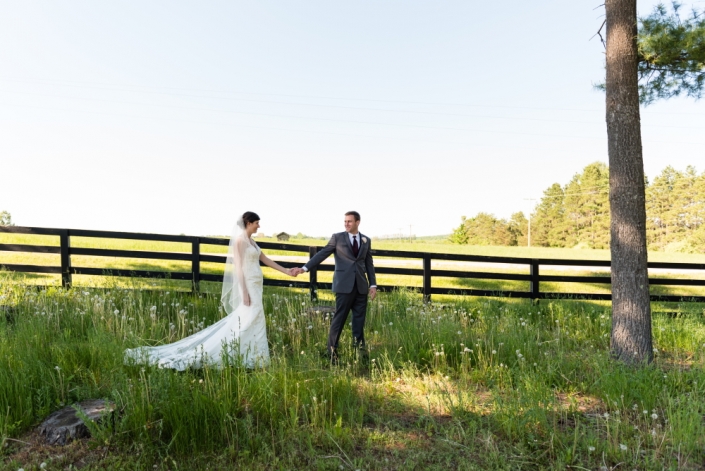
(66,269)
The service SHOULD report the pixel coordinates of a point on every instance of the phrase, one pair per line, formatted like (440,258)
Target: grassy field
(426,246)
(467,384)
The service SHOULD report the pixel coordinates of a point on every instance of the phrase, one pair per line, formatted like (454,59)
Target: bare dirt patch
(31,450)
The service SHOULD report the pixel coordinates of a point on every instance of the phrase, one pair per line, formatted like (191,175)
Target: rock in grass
(64,425)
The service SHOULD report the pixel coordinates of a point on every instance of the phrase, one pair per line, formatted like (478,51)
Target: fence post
(196,263)
(534,273)
(64,241)
(313,275)
(427,278)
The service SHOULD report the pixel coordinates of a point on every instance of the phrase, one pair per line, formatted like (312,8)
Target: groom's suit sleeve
(370,268)
(321,255)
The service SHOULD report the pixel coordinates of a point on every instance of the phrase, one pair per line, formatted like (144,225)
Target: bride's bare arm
(272,264)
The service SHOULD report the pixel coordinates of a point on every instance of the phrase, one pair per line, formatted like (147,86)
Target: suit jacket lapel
(359,241)
(347,239)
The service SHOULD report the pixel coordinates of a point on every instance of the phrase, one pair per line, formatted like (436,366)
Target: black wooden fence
(196,257)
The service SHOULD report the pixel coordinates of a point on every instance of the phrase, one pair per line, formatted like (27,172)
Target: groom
(354,275)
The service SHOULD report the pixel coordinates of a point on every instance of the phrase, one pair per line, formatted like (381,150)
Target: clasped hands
(296,271)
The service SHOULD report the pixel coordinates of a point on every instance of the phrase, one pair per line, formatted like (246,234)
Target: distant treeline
(577,214)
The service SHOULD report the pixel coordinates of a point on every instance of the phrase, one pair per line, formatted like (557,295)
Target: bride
(241,334)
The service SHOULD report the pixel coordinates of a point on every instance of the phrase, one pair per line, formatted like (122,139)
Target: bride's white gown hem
(241,336)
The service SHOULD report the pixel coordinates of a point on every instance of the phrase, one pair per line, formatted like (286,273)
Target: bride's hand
(246,298)
(290,272)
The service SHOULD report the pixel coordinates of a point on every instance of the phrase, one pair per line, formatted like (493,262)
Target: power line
(575,194)
(514,118)
(435,113)
(349,121)
(268,128)
(326,120)
(121,87)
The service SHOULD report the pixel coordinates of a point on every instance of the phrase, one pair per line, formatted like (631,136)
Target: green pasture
(416,281)
(462,384)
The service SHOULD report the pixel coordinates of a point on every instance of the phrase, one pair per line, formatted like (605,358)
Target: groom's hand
(373,293)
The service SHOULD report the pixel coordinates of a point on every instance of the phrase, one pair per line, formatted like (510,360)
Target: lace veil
(234,277)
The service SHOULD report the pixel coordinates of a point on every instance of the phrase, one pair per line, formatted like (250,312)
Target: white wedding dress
(241,336)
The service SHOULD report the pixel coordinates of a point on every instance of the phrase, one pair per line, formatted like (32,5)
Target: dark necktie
(356,248)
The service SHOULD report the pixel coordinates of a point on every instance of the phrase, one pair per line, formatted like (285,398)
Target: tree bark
(631,308)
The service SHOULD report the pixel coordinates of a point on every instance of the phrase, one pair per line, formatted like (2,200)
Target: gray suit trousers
(344,302)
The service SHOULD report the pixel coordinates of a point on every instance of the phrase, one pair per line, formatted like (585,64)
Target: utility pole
(529,232)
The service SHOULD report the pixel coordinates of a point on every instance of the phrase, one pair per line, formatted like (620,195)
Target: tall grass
(469,384)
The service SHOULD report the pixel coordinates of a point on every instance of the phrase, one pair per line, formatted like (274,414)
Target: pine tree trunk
(631,308)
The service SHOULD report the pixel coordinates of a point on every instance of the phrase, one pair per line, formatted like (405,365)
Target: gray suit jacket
(348,268)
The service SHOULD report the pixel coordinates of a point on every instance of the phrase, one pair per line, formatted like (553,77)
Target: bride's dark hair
(249,217)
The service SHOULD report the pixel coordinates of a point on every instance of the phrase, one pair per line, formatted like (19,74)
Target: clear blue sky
(171,116)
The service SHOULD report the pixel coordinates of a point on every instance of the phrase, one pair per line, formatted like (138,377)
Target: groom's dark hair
(354,214)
